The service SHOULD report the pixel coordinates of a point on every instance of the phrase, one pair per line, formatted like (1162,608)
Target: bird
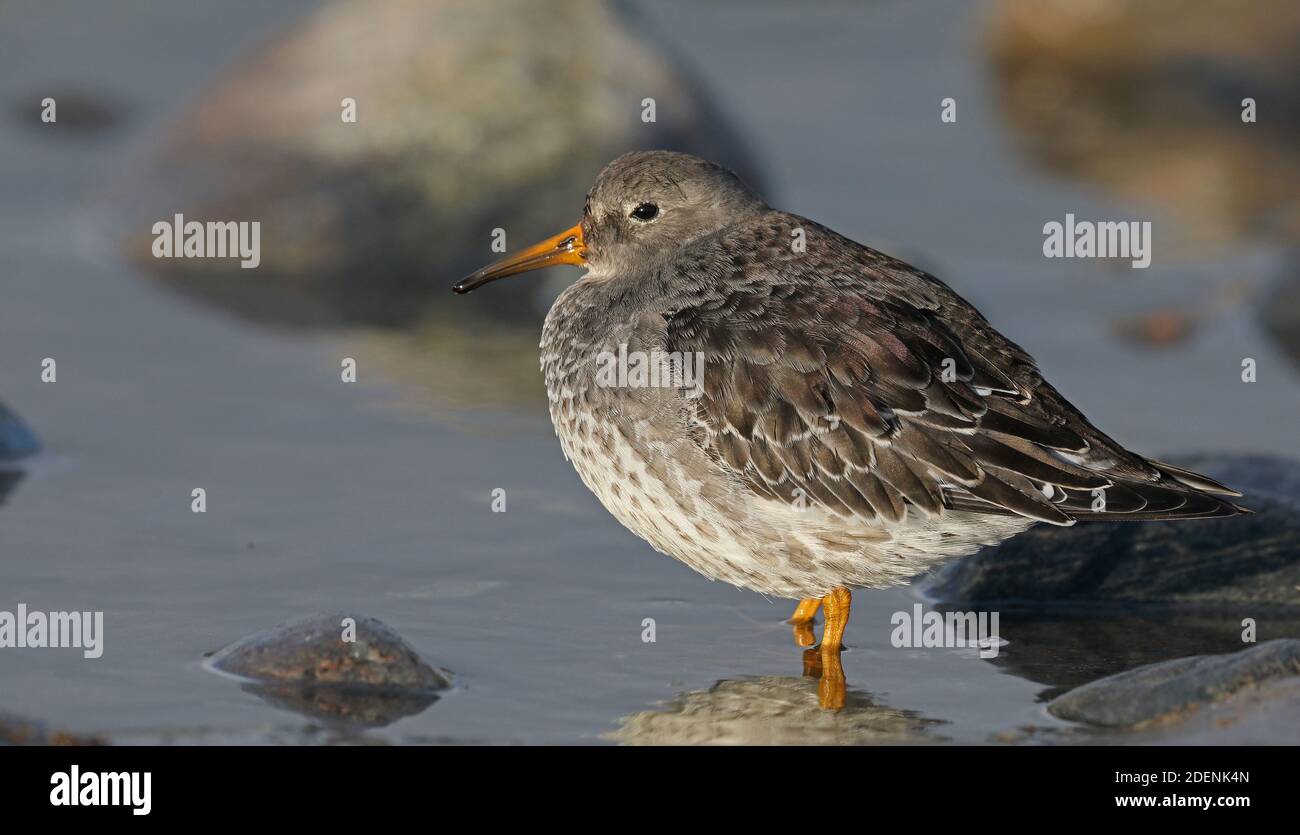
(855,421)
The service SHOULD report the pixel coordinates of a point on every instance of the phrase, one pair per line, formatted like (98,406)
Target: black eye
(645,212)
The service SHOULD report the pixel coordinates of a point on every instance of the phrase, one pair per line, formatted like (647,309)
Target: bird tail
(1182,494)
(1177,494)
(1196,481)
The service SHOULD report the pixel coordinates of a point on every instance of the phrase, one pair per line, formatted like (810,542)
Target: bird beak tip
(565,248)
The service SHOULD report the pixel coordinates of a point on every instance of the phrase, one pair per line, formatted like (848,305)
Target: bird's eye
(645,212)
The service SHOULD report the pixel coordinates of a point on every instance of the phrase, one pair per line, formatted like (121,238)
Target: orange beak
(565,248)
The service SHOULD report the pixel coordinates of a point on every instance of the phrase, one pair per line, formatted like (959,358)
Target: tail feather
(1192,506)
(1180,494)
(1196,481)
(1175,498)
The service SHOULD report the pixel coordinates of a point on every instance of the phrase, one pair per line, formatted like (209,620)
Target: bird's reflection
(777,710)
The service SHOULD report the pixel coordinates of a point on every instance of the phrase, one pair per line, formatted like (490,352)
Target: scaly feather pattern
(842,377)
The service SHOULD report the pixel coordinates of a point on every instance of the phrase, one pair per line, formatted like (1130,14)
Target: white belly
(726,532)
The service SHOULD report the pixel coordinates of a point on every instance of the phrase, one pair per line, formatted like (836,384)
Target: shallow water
(375,497)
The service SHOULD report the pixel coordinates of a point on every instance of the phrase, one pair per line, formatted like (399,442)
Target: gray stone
(1244,559)
(1268,714)
(1171,690)
(306,666)
(312,649)
(470,116)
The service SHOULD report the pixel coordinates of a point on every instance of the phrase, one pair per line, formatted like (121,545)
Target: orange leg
(830,689)
(802,621)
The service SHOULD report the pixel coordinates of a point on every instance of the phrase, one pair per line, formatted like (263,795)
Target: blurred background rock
(471,115)
(1145,99)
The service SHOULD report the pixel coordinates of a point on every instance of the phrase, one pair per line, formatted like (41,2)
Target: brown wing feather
(842,377)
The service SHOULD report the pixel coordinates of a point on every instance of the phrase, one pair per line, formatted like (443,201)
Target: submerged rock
(16,440)
(313,649)
(773,710)
(1171,690)
(469,116)
(1242,559)
(309,667)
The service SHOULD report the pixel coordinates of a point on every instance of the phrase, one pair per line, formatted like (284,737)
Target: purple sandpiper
(856,421)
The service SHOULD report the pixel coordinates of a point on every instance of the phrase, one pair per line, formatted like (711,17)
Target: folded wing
(863,385)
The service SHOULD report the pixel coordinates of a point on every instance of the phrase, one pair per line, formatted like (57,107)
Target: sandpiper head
(644,205)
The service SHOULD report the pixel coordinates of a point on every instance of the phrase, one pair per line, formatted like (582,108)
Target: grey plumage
(861,391)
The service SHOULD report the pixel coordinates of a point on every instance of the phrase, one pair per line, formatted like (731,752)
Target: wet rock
(772,710)
(1171,690)
(1251,559)
(1268,714)
(313,649)
(307,666)
(471,115)
(16,440)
